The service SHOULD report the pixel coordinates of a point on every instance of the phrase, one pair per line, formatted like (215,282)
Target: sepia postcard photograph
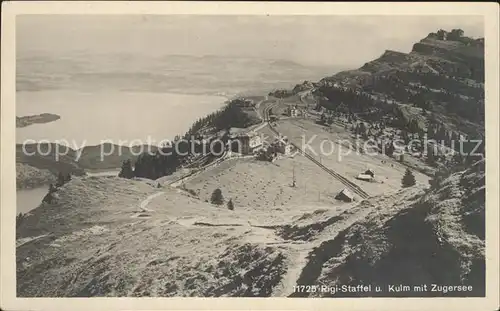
(289,156)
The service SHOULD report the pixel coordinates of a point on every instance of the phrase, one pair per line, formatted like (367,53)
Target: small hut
(365,177)
(370,172)
(345,195)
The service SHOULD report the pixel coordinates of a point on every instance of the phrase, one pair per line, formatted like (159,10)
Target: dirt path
(194,173)
(300,261)
(23,241)
(289,280)
(144,204)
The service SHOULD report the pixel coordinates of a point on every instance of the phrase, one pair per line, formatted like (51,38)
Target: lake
(28,199)
(124,118)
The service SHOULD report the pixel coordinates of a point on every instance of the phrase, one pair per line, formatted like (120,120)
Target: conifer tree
(408,179)
(430,132)
(458,159)
(48,198)
(455,138)
(230,205)
(52,189)
(389,149)
(217,197)
(126,171)
(60,179)
(19,219)
(431,156)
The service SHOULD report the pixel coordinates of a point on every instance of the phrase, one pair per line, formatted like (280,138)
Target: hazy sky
(317,40)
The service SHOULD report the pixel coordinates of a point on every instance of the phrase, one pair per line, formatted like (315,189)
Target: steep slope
(107,236)
(442,76)
(434,238)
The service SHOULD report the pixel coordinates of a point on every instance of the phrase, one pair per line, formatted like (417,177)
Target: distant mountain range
(210,74)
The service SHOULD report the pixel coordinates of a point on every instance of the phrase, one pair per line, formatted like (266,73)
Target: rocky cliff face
(459,53)
(444,76)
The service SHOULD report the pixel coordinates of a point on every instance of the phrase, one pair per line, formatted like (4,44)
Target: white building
(255,140)
(365,177)
(283,147)
(293,111)
(246,143)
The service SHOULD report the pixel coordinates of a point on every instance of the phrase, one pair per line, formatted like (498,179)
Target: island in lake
(39,118)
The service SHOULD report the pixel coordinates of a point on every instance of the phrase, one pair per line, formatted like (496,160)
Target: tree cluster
(281,93)
(61,180)
(232,115)
(167,159)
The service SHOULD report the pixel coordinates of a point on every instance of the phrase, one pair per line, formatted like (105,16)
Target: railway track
(349,184)
(355,188)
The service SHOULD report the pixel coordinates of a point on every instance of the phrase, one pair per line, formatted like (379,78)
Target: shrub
(19,219)
(52,189)
(230,205)
(191,192)
(48,198)
(61,179)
